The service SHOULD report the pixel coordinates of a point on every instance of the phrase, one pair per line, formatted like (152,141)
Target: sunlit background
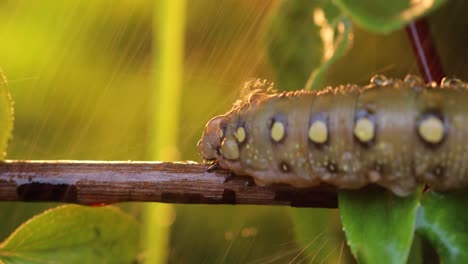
(82,75)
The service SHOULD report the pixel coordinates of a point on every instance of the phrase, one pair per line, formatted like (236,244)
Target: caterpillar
(396,133)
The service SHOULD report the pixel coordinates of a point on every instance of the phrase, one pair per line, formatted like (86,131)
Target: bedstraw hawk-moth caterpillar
(394,133)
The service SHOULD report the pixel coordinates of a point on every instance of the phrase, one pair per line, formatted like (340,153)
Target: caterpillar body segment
(394,133)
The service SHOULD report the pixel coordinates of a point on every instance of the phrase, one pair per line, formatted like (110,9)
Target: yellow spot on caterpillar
(240,134)
(431,130)
(229,149)
(364,129)
(318,132)
(277,131)
(221,133)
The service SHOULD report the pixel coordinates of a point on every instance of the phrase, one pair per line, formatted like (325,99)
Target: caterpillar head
(209,144)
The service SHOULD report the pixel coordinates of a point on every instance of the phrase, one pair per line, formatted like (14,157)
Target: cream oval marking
(240,134)
(318,132)
(229,149)
(431,129)
(284,167)
(221,133)
(278,131)
(332,167)
(364,130)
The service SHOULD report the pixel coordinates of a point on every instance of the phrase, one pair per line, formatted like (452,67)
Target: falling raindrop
(413,80)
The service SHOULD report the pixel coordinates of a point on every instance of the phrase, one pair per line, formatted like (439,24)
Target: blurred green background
(81,75)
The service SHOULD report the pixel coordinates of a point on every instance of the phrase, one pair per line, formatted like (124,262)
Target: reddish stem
(425,51)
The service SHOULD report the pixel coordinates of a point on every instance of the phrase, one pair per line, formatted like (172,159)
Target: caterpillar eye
(210,142)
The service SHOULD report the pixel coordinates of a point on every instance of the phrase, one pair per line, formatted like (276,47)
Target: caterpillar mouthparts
(394,133)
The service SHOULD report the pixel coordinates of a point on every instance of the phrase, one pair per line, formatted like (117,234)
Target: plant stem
(425,51)
(95,182)
(168,56)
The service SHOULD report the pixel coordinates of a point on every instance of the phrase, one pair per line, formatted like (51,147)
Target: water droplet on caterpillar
(380,80)
(451,83)
(413,80)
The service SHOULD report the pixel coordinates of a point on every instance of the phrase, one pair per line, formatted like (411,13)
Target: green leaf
(74,234)
(416,251)
(379,226)
(12,214)
(385,16)
(6,115)
(443,220)
(303,36)
(336,49)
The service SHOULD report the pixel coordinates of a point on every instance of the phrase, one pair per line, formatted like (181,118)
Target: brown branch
(95,182)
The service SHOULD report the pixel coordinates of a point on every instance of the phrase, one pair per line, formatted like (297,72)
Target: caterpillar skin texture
(394,133)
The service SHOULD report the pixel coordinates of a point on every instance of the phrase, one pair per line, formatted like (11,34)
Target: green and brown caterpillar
(393,133)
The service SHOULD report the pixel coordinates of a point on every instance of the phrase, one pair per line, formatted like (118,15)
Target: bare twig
(95,182)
